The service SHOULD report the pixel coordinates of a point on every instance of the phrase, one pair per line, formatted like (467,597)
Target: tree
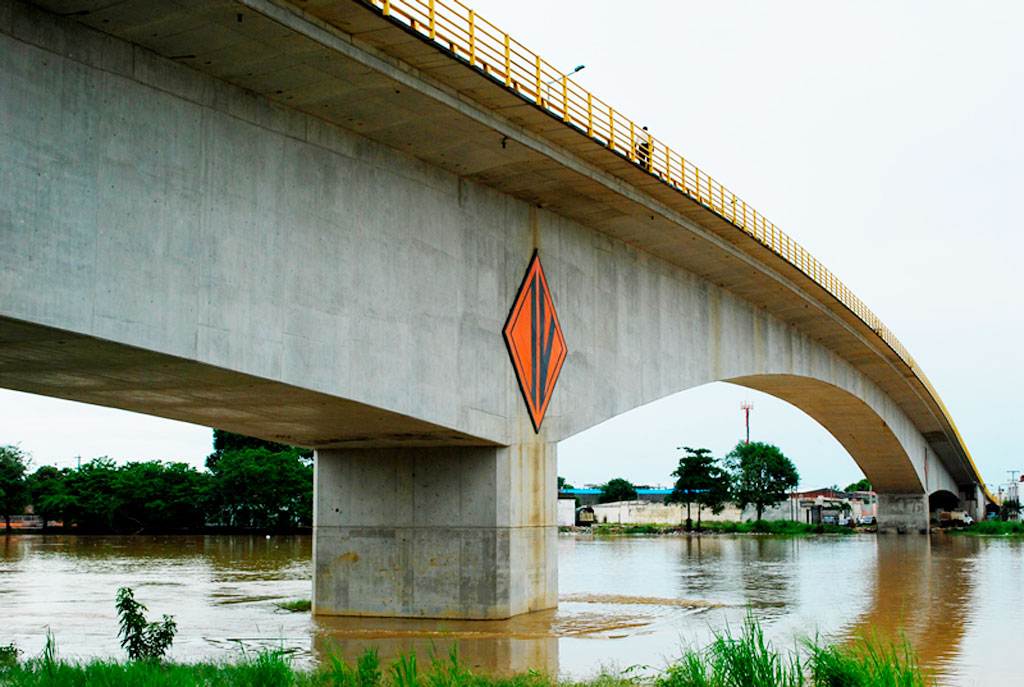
(47,493)
(617,489)
(562,484)
(699,480)
(225,441)
(1009,509)
(93,500)
(254,487)
(761,475)
(862,485)
(143,640)
(13,490)
(161,496)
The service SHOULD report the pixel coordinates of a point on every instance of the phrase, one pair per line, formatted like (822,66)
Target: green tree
(1009,509)
(160,496)
(562,484)
(617,489)
(761,475)
(13,490)
(47,493)
(225,441)
(93,499)
(700,480)
(143,640)
(255,487)
(862,485)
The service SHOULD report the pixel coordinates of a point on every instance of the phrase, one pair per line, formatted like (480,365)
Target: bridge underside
(49,362)
(854,424)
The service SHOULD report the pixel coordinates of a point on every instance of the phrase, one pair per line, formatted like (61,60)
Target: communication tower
(747,406)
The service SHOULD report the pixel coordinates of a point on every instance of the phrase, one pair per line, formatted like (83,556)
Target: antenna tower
(746,406)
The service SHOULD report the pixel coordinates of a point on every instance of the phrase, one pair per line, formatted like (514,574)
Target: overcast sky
(882,136)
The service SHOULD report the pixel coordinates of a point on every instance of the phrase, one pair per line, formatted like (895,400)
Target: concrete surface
(566,512)
(903,514)
(435,532)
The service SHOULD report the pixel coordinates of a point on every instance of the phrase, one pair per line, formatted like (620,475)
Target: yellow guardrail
(485,47)
(469,37)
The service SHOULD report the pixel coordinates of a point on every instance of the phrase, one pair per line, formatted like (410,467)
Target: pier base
(435,532)
(903,513)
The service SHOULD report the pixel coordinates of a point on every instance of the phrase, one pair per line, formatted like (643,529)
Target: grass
(994,528)
(748,660)
(743,660)
(786,527)
(297,606)
(617,528)
(776,527)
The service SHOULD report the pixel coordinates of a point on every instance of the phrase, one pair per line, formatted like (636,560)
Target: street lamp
(567,75)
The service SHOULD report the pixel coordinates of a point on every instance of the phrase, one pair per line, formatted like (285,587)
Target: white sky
(883,136)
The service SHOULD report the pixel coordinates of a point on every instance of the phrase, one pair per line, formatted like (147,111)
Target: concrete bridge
(310,221)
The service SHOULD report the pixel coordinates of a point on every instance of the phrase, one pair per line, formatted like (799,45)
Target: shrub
(141,639)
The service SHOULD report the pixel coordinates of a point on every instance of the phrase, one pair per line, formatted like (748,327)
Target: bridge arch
(877,450)
(661,330)
(855,425)
(943,499)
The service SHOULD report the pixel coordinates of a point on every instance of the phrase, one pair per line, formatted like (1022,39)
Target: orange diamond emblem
(535,342)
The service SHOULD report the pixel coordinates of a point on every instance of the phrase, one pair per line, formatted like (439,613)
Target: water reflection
(922,590)
(624,601)
(497,647)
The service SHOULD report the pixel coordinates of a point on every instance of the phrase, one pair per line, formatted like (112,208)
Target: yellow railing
(467,36)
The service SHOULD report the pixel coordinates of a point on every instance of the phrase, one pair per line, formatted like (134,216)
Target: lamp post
(566,75)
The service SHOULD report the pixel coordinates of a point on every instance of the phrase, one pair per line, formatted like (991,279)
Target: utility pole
(746,406)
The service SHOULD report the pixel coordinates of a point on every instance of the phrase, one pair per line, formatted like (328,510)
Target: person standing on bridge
(643,151)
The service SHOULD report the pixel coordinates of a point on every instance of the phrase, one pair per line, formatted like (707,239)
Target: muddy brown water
(625,601)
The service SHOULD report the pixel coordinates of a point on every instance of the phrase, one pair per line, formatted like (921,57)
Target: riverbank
(746,659)
(210,530)
(992,528)
(776,527)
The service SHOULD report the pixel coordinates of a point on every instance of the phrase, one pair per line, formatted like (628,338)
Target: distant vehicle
(955,518)
(585,516)
(867,520)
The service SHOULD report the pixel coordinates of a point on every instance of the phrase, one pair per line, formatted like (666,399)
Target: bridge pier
(435,532)
(903,513)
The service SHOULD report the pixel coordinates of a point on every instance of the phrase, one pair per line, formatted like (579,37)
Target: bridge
(387,230)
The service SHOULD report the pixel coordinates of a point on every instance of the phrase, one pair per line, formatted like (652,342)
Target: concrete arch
(943,499)
(861,431)
(640,330)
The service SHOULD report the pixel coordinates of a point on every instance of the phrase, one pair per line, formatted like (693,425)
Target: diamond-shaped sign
(535,342)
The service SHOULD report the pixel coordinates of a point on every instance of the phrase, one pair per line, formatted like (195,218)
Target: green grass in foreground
(758,527)
(746,660)
(297,606)
(994,527)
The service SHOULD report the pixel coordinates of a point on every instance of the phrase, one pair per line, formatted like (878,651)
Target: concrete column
(438,532)
(973,501)
(903,513)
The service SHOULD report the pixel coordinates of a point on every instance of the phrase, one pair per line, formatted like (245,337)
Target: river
(625,601)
